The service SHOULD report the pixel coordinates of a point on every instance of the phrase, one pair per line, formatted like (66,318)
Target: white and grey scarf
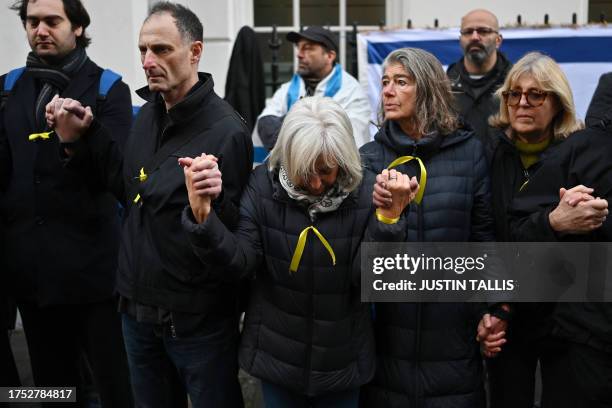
(328,202)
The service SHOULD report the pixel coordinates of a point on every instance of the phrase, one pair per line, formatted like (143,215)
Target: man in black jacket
(476,76)
(61,236)
(600,107)
(179,314)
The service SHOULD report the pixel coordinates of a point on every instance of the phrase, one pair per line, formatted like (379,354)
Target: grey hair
(317,127)
(434,100)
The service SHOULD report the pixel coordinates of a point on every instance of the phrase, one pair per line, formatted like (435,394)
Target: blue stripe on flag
(562,49)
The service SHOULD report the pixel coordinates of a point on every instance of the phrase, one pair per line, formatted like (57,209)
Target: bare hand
(578,212)
(201,190)
(393,192)
(69,118)
(491,334)
(575,195)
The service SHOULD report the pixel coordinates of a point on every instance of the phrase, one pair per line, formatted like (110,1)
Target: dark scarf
(54,77)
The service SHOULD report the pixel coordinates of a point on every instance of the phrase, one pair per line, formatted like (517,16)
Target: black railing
(275,43)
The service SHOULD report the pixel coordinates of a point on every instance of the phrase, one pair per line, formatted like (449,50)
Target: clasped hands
(393,192)
(68,118)
(204,183)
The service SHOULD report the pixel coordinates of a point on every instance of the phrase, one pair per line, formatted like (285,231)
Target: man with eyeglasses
(483,68)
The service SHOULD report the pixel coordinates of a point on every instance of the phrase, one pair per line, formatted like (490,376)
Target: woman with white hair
(427,352)
(303,215)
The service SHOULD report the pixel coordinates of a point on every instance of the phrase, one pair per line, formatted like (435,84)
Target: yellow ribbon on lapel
(142,177)
(299,249)
(43,136)
(422,179)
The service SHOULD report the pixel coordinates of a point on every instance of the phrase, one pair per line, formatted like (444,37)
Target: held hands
(393,191)
(204,183)
(491,334)
(578,212)
(68,118)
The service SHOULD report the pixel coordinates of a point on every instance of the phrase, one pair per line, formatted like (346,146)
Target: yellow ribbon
(299,249)
(422,179)
(43,136)
(142,177)
(386,220)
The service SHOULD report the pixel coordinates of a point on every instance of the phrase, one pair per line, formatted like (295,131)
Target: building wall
(449,12)
(116,24)
(114,30)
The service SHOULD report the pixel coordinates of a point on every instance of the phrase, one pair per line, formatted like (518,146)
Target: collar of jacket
(187,107)
(458,73)
(503,141)
(392,136)
(279,193)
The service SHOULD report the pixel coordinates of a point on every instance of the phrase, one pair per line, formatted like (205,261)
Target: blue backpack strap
(9,82)
(107,80)
(11,78)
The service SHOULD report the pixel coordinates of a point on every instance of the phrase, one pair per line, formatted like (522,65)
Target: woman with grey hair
(427,354)
(303,215)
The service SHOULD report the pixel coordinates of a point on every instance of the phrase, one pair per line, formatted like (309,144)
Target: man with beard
(317,74)
(476,76)
(61,237)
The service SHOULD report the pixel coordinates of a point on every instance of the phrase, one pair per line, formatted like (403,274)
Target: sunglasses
(534,97)
(482,31)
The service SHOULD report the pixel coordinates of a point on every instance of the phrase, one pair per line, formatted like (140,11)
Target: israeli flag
(583,53)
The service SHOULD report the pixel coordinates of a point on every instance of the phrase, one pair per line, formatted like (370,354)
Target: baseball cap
(316,34)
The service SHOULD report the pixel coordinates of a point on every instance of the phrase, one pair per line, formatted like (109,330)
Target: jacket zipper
(172,327)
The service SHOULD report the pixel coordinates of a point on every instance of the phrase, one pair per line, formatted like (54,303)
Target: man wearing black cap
(317,74)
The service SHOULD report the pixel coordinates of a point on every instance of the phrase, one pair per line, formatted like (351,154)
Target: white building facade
(116,24)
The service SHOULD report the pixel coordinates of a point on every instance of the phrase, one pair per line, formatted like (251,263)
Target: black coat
(584,158)
(62,233)
(157,265)
(306,331)
(600,107)
(427,353)
(507,178)
(475,98)
(245,86)
(530,321)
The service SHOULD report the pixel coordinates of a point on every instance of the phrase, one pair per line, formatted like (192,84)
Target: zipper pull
(172,328)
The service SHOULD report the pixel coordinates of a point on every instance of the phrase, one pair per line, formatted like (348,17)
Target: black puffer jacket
(427,353)
(306,331)
(474,97)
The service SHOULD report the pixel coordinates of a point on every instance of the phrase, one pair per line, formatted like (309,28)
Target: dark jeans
(276,396)
(58,336)
(163,367)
